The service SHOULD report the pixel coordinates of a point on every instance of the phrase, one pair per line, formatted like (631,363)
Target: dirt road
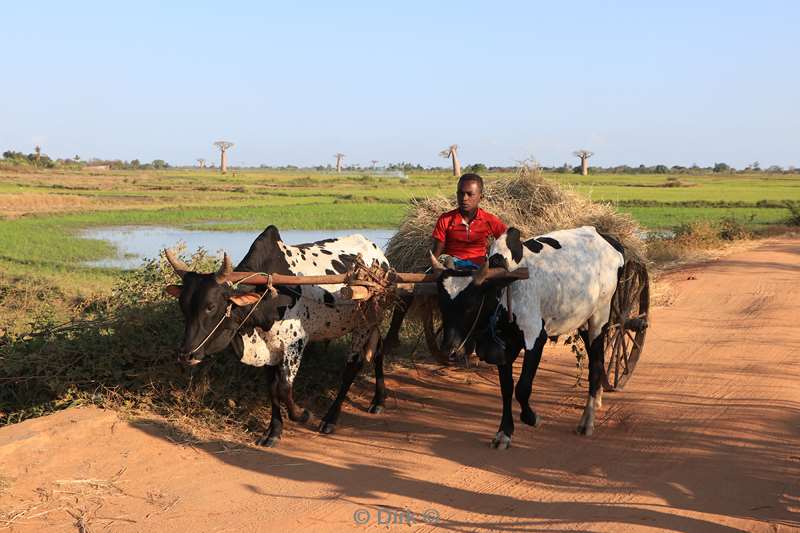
(705,438)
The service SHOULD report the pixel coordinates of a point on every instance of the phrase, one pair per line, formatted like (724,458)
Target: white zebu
(572,278)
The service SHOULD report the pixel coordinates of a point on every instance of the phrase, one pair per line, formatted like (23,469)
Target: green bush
(732,229)
(794,213)
(121,353)
(700,232)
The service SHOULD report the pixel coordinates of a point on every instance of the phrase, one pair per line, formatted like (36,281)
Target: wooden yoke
(363,283)
(254,278)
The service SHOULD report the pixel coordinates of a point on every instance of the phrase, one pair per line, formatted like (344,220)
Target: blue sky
(294,83)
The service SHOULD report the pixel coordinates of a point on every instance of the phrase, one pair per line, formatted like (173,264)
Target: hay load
(529,202)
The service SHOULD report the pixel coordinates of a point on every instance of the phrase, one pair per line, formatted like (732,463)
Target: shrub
(694,240)
(477,168)
(794,213)
(731,229)
(120,352)
(698,233)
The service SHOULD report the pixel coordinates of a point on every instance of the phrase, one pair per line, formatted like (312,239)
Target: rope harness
(229,310)
(471,329)
(226,315)
(496,316)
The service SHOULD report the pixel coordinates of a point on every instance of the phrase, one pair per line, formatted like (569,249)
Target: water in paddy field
(134,243)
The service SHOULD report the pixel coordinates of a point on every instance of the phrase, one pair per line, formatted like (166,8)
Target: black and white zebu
(272,330)
(572,277)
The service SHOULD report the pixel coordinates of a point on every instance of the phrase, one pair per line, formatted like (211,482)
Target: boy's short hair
(472,177)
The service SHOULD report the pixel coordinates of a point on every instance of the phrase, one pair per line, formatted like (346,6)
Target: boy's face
(469,196)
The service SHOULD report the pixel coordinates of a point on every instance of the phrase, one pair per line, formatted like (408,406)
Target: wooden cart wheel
(432,325)
(627,327)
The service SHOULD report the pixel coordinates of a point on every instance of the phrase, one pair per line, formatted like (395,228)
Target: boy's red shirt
(467,241)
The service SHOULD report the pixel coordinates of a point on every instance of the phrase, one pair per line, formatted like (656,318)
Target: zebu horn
(224,270)
(480,276)
(177,264)
(435,263)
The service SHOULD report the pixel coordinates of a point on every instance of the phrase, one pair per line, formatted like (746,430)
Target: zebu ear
(514,244)
(247,298)
(283,300)
(174,290)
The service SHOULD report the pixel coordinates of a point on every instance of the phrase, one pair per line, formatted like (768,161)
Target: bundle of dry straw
(529,202)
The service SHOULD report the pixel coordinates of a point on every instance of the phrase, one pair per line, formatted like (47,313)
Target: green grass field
(42,212)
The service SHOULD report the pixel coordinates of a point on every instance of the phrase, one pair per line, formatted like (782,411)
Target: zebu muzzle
(188,359)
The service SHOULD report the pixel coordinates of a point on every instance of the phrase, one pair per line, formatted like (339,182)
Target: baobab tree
(452,153)
(201,163)
(584,156)
(374,162)
(223,154)
(339,158)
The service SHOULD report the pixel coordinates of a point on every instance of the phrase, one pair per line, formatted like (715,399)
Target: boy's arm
(439,235)
(437,248)
(497,227)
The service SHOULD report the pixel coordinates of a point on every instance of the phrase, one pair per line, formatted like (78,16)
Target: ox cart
(626,331)
(375,289)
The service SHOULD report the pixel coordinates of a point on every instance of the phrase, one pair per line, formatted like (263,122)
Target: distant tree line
(35,158)
(716,168)
(40,160)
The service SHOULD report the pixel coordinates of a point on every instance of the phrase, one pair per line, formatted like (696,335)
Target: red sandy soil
(706,437)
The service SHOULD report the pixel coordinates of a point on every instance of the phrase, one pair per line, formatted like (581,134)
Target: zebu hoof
(530,418)
(375,409)
(586,424)
(326,428)
(268,441)
(304,416)
(501,441)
